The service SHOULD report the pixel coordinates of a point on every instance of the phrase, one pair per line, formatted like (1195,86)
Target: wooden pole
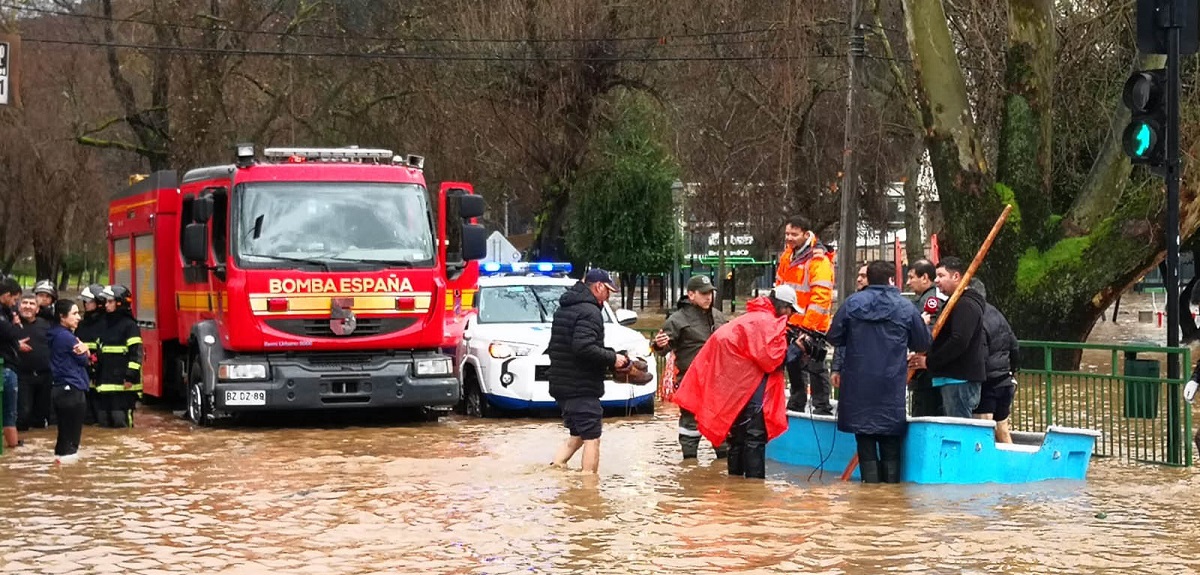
(945,313)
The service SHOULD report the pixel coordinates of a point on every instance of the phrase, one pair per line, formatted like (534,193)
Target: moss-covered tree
(1073,244)
(623,216)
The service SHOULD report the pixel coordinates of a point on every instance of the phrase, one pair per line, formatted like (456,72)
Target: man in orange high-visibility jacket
(806,266)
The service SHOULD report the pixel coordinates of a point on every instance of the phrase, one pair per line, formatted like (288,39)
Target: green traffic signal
(1143,140)
(1145,96)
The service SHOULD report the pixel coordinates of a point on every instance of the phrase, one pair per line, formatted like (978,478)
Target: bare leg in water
(567,451)
(591,455)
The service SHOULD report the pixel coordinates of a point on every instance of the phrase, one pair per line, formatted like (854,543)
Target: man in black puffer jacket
(578,364)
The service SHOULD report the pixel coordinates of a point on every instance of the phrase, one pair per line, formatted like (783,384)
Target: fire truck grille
(341,359)
(320,327)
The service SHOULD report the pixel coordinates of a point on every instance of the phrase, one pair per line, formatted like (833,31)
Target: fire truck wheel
(199,404)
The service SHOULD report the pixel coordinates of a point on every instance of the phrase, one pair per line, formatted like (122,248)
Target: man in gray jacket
(685,333)
(997,392)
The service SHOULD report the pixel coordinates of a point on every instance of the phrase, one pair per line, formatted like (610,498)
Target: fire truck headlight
(431,366)
(241,371)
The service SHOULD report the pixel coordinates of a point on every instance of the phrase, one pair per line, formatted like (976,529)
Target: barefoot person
(578,364)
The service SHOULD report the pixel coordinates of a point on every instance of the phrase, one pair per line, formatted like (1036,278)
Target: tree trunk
(914,234)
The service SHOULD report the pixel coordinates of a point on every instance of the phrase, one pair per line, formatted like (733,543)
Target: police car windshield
(333,221)
(519,303)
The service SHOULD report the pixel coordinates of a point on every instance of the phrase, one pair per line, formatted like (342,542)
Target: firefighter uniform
(119,371)
(89,330)
(809,270)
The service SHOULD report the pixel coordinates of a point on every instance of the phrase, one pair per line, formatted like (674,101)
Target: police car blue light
(497,268)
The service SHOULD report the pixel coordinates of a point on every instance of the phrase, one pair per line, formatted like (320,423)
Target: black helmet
(117,293)
(46,287)
(92,293)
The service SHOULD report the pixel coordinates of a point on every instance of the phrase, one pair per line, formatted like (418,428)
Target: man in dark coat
(926,399)
(957,361)
(33,371)
(875,329)
(684,333)
(578,365)
(996,394)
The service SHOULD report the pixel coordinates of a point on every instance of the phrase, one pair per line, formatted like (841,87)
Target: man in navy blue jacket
(875,329)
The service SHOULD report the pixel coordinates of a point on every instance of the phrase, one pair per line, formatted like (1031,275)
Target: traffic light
(1145,95)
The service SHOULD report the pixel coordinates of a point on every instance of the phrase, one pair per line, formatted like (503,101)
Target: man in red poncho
(735,384)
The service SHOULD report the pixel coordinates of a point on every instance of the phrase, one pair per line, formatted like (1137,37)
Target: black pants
(115,408)
(33,400)
(748,439)
(70,404)
(879,457)
(809,374)
(926,399)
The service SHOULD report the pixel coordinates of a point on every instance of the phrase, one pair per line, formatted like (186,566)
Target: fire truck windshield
(280,223)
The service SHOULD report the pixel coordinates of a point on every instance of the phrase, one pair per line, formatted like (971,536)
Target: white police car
(505,365)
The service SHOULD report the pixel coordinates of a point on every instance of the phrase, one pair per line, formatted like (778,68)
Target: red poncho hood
(729,368)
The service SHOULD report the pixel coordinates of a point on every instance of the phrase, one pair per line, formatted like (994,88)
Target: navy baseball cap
(597,275)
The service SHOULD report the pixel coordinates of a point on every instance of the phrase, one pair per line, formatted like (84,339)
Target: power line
(461,56)
(660,37)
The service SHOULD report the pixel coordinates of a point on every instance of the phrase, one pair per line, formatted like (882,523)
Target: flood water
(475,496)
(471,496)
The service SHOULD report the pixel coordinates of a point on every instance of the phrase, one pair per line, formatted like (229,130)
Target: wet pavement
(474,496)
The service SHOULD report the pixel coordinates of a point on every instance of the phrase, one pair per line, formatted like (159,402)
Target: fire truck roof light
(525,268)
(245,155)
(343,154)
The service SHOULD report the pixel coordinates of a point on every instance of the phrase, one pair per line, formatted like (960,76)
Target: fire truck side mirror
(474,238)
(470,206)
(194,244)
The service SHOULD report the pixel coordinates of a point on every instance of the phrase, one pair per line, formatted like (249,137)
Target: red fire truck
(308,279)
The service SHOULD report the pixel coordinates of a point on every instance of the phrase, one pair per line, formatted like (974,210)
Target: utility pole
(848,239)
(1170,27)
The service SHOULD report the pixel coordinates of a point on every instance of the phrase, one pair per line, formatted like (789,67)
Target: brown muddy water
(475,496)
(472,496)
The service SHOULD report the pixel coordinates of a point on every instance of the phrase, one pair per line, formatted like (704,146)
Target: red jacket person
(735,385)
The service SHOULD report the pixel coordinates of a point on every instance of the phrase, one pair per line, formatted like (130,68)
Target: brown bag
(636,372)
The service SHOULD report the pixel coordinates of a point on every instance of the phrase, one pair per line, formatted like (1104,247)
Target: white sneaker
(66,459)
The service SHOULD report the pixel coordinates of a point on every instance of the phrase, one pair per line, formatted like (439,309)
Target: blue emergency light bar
(521,268)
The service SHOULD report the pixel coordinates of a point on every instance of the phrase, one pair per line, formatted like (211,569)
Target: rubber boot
(117,419)
(869,471)
(797,389)
(11,437)
(755,454)
(889,470)
(722,450)
(689,451)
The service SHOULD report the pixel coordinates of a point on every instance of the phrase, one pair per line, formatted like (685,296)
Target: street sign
(10,50)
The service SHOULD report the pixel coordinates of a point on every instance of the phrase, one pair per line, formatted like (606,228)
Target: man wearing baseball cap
(578,365)
(685,333)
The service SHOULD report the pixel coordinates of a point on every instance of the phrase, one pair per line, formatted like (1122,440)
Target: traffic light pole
(1171,278)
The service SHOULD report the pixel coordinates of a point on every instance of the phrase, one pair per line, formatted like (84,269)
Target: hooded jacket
(1003,351)
(578,358)
(731,366)
(875,329)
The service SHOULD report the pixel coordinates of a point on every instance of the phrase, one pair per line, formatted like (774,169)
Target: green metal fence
(1120,390)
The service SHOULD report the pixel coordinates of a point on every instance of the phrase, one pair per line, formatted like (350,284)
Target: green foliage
(622,217)
(1008,197)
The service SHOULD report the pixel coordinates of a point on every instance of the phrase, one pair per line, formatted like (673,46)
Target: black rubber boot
(722,450)
(689,450)
(736,451)
(889,470)
(755,455)
(797,388)
(869,471)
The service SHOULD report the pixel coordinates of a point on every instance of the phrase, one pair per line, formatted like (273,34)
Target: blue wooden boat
(945,450)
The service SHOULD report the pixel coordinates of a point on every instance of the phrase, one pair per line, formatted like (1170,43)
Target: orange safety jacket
(809,270)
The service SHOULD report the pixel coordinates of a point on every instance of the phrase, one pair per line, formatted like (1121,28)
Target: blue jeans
(10,398)
(960,399)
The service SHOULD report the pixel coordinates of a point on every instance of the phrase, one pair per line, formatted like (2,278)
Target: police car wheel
(199,405)
(476,404)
